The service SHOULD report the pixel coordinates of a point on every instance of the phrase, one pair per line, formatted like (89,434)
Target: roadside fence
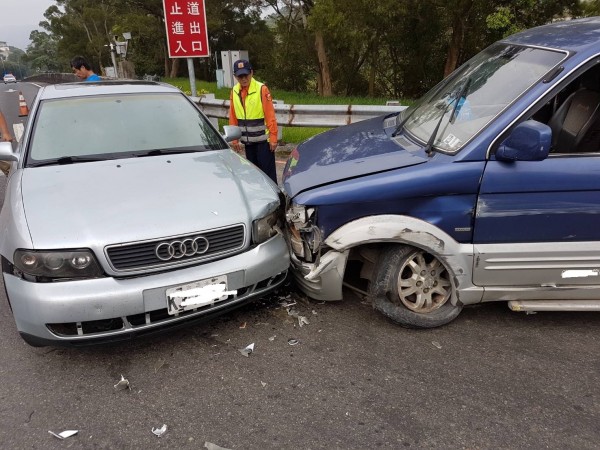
(303,115)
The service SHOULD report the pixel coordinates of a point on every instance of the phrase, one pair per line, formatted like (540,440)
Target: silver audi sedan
(126,213)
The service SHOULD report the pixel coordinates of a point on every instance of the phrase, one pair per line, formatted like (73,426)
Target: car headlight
(265,227)
(57,264)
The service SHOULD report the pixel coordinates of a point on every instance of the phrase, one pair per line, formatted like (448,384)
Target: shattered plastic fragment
(65,434)
(211,446)
(293,341)
(272,338)
(436,344)
(160,431)
(247,350)
(302,320)
(242,326)
(314,312)
(122,384)
(159,365)
(263,383)
(288,305)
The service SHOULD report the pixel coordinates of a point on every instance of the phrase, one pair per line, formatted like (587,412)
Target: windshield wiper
(462,94)
(66,160)
(456,100)
(173,151)
(401,124)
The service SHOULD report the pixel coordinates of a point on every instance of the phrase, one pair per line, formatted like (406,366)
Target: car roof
(571,35)
(89,88)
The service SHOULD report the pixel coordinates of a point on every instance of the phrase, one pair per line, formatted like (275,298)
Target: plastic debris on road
(242,326)
(160,431)
(211,446)
(302,320)
(436,344)
(247,350)
(272,338)
(159,365)
(293,341)
(286,301)
(122,384)
(65,434)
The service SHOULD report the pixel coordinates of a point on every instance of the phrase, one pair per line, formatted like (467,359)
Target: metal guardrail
(303,115)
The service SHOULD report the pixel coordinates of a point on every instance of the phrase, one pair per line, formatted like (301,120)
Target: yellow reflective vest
(250,115)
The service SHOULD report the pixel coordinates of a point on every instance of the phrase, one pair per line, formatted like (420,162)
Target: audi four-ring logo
(166,251)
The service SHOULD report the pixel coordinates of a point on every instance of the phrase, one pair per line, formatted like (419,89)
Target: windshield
(476,93)
(118,126)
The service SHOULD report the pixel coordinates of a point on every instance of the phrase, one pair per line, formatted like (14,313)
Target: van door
(537,223)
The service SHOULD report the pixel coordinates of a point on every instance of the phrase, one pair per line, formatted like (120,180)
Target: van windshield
(476,93)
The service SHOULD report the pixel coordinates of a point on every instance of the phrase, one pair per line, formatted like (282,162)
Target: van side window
(574,115)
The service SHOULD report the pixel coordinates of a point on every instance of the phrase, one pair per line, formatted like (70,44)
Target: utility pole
(113,57)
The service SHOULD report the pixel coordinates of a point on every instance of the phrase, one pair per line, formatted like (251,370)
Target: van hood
(350,151)
(94,204)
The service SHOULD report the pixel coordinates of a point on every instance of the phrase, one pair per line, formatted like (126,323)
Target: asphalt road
(490,379)
(9,102)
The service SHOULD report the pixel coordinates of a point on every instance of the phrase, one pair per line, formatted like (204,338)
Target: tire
(413,288)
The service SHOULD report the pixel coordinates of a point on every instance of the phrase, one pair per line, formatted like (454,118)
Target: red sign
(185,21)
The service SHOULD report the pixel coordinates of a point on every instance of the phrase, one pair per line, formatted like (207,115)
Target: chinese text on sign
(185,22)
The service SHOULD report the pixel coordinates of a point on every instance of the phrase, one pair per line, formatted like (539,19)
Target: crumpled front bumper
(321,280)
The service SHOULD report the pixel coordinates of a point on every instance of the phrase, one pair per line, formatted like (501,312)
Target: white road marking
(18,131)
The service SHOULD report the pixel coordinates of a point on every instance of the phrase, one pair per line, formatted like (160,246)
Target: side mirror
(6,152)
(231,133)
(529,141)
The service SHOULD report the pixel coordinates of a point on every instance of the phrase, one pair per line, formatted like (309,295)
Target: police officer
(251,108)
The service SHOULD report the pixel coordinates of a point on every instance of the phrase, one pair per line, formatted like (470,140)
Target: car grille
(208,245)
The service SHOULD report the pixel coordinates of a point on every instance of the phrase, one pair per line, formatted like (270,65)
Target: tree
(42,53)
(296,15)
(84,27)
(351,47)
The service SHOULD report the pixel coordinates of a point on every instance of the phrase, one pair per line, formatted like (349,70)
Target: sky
(18,18)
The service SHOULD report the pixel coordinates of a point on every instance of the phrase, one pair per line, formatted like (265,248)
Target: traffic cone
(23,109)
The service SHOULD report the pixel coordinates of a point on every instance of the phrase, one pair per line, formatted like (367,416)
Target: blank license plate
(197,294)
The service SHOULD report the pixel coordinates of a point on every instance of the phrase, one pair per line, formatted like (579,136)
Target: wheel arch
(372,231)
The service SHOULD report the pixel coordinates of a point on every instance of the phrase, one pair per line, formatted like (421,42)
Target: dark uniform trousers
(260,155)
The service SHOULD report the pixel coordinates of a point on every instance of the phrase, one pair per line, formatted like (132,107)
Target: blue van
(487,189)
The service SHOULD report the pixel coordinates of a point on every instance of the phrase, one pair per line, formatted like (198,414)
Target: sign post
(187,37)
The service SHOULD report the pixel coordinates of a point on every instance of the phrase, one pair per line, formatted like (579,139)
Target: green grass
(290,134)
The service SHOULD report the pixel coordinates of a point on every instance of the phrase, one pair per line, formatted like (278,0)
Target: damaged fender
(410,231)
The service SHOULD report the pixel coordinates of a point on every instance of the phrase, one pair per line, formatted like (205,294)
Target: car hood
(350,151)
(117,201)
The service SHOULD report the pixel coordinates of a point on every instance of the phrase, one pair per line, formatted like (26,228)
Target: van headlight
(57,264)
(266,227)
